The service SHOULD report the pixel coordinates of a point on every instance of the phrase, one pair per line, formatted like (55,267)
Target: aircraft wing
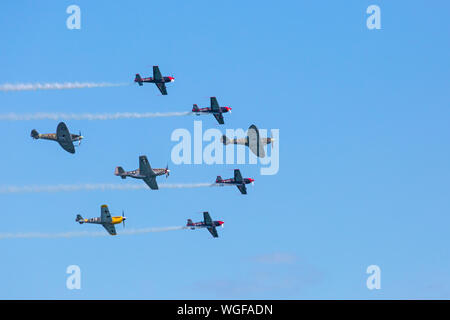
(237,175)
(144,167)
(104,214)
(162,88)
(219,118)
(254,142)
(242,188)
(214,105)
(151,182)
(64,138)
(110,228)
(213,231)
(156,73)
(207,219)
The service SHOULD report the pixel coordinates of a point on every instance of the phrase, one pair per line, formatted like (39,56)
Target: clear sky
(364,149)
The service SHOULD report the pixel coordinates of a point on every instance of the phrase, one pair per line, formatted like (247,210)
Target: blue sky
(364,149)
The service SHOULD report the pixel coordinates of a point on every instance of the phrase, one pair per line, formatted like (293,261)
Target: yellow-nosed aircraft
(105,220)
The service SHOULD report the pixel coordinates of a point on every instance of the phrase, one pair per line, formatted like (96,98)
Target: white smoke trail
(57,86)
(95,186)
(75,234)
(88,116)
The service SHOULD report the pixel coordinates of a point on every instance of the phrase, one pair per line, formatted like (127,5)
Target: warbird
(157,79)
(238,181)
(105,220)
(206,223)
(145,172)
(253,141)
(62,136)
(215,110)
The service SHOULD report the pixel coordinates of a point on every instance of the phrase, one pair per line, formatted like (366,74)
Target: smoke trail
(75,234)
(57,86)
(88,116)
(92,187)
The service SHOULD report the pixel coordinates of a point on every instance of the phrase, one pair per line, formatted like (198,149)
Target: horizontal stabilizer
(79,219)
(34,134)
(119,172)
(225,140)
(138,79)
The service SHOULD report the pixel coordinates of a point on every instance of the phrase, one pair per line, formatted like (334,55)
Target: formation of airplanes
(148,174)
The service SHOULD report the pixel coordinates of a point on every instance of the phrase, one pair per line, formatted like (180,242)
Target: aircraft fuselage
(209,110)
(232,181)
(137,175)
(152,80)
(198,225)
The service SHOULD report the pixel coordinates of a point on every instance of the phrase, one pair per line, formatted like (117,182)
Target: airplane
(206,223)
(145,172)
(253,141)
(62,136)
(238,181)
(215,109)
(105,220)
(157,79)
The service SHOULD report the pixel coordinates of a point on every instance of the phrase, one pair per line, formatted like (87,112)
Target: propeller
(167,171)
(271,140)
(123,219)
(80,138)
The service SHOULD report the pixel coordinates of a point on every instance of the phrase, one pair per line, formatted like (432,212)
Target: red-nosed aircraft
(238,181)
(206,223)
(215,110)
(157,79)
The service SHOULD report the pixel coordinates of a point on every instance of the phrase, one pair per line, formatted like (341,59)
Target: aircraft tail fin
(195,108)
(34,134)
(138,79)
(219,179)
(225,140)
(190,224)
(79,219)
(120,172)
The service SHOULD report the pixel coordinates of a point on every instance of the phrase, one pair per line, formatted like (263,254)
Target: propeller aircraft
(62,136)
(105,220)
(145,172)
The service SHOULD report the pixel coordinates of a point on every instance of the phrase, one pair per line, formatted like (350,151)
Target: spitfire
(215,110)
(62,136)
(145,172)
(206,223)
(105,220)
(238,181)
(157,79)
(253,141)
